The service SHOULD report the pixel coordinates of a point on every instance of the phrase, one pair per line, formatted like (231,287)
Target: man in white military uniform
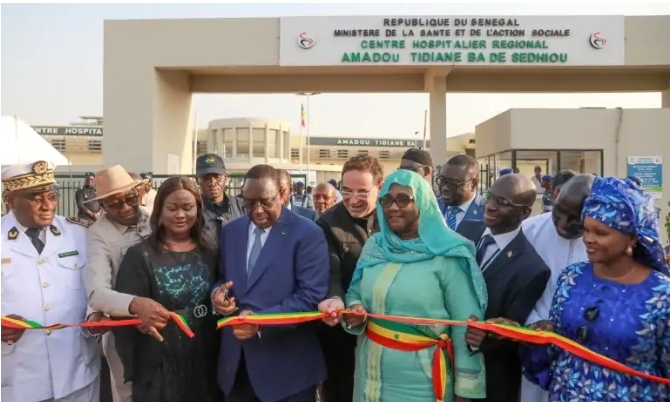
(43,256)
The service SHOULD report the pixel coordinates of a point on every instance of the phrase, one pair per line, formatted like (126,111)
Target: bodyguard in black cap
(212,178)
(87,210)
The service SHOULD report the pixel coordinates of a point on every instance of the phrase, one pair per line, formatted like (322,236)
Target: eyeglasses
(401,200)
(131,201)
(357,194)
(501,201)
(590,315)
(319,197)
(46,198)
(253,203)
(450,183)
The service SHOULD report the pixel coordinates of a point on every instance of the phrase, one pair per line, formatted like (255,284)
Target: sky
(51,68)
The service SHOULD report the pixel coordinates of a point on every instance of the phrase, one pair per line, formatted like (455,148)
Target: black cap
(89,174)
(209,164)
(147,175)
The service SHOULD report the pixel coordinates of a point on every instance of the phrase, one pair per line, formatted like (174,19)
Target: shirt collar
(504,239)
(466,205)
(289,206)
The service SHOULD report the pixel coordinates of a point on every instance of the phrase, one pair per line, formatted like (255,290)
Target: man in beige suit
(123,224)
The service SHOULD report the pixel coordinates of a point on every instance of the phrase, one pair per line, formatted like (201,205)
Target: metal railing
(69,184)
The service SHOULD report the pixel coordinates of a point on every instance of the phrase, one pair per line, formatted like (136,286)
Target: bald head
(517,188)
(284,179)
(567,211)
(325,196)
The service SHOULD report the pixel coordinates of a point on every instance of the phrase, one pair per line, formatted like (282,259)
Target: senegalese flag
(302,115)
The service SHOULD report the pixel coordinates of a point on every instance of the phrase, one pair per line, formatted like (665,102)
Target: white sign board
(452,40)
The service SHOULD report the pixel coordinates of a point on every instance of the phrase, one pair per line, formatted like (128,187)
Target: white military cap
(35,177)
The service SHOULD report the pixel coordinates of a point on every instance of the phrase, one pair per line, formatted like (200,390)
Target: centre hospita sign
(452,40)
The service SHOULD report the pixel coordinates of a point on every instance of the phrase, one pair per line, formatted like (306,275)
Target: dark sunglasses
(130,201)
(402,200)
(46,198)
(590,315)
(265,203)
(501,201)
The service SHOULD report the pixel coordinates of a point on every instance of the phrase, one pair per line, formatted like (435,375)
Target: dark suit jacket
(304,212)
(515,281)
(291,275)
(475,212)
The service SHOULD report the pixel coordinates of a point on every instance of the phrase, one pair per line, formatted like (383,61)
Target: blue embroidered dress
(631,326)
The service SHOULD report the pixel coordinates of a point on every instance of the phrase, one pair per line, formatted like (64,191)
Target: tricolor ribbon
(516,333)
(10,322)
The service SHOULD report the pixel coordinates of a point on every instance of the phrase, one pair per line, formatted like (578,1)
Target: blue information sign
(649,169)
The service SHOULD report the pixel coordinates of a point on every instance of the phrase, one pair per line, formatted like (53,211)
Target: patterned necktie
(255,250)
(451,217)
(34,235)
(487,240)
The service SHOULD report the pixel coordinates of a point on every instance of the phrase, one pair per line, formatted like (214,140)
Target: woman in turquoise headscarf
(415,267)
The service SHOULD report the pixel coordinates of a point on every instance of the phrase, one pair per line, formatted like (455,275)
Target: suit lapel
(273,244)
(237,273)
(54,241)
(20,242)
(505,256)
(476,210)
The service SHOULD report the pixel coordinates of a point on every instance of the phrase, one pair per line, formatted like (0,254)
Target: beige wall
(619,133)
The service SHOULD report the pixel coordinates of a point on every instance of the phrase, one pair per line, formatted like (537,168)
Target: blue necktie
(451,217)
(255,250)
(484,244)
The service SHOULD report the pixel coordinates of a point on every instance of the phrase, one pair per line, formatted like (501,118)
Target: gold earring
(629,251)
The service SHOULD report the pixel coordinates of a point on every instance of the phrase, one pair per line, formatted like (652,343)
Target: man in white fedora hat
(123,224)
(43,256)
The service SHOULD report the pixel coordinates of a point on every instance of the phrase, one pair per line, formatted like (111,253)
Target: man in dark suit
(515,276)
(458,181)
(285,189)
(285,269)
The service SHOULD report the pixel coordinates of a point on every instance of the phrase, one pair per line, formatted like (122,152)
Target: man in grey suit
(285,190)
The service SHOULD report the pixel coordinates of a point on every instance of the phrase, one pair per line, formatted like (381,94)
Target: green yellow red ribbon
(10,322)
(516,333)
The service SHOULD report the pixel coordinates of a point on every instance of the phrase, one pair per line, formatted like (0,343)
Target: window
(583,162)
(324,153)
(228,143)
(273,143)
(259,141)
(295,153)
(362,152)
(242,142)
(58,144)
(384,154)
(343,154)
(201,148)
(95,146)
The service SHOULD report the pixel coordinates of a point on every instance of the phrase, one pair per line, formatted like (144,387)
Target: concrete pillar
(266,143)
(251,142)
(281,152)
(161,124)
(211,140)
(435,83)
(234,150)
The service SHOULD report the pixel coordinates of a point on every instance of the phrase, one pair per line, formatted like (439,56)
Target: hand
(245,331)
(358,318)
(474,336)
(11,335)
(223,304)
(153,315)
(503,321)
(543,325)
(97,317)
(332,306)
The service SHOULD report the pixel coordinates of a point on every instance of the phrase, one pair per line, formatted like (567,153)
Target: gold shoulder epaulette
(78,221)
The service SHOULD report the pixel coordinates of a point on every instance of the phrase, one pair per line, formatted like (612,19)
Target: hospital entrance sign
(452,40)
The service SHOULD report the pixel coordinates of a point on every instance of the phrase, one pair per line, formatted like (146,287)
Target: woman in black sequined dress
(176,266)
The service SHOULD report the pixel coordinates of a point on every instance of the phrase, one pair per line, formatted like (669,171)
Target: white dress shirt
(500,242)
(557,253)
(251,238)
(463,209)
